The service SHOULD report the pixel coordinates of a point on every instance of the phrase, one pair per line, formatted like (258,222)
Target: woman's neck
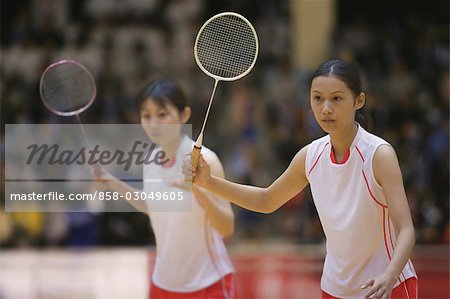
(342,140)
(171,148)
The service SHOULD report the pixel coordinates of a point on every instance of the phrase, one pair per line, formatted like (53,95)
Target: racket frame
(196,151)
(197,60)
(68,113)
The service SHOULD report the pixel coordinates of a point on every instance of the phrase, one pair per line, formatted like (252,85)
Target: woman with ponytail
(357,188)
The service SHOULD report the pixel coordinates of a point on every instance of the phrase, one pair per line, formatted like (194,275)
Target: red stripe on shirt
(384,233)
(317,160)
(392,244)
(359,153)
(344,159)
(370,191)
(367,183)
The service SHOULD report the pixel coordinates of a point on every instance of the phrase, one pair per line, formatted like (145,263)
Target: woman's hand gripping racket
(226,48)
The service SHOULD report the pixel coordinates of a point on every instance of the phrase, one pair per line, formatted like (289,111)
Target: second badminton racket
(67,88)
(226,48)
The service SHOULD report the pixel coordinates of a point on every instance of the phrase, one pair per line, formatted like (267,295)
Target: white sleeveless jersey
(360,238)
(184,261)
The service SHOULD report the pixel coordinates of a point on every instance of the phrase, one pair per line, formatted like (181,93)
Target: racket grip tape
(195,157)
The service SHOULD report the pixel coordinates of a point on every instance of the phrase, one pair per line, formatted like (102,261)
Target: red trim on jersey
(370,191)
(390,234)
(359,153)
(392,243)
(170,163)
(317,160)
(344,159)
(384,233)
(383,206)
(367,183)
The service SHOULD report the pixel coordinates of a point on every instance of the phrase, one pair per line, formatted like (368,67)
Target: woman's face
(334,105)
(162,123)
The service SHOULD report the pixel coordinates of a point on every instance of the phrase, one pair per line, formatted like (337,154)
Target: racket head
(226,47)
(67,88)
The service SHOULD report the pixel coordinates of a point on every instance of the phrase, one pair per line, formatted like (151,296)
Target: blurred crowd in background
(258,123)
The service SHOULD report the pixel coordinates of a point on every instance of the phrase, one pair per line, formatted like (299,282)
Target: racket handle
(195,156)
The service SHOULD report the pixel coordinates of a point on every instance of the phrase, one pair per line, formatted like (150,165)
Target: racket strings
(67,88)
(227,47)
(233,60)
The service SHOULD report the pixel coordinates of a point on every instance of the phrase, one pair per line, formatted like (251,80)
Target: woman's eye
(317,98)
(337,98)
(162,114)
(145,116)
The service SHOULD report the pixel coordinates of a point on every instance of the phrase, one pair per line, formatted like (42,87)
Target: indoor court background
(257,125)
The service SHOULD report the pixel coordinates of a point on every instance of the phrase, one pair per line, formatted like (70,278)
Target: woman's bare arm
(264,200)
(218,211)
(388,174)
(110,182)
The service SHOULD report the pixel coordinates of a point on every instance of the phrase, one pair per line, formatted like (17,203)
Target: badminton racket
(225,49)
(67,88)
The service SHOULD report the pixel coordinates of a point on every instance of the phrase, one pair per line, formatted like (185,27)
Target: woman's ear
(360,101)
(186,114)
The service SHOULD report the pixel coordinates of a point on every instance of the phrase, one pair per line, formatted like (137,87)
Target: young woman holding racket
(191,258)
(357,188)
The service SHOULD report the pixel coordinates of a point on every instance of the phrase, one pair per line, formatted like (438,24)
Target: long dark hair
(347,73)
(163,92)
